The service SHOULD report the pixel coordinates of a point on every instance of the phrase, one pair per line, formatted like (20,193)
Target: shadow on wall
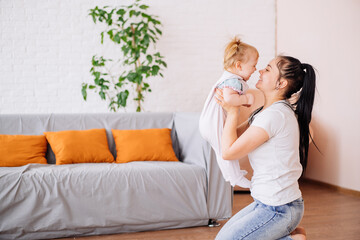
(324,164)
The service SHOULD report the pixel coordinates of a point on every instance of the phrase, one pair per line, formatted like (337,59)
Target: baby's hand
(250,100)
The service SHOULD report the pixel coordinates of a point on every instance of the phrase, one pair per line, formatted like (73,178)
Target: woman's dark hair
(301,80)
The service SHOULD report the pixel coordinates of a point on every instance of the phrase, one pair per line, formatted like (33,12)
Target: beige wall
(326,34)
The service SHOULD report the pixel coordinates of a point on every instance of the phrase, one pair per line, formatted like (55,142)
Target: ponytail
(304,106)
(301,81)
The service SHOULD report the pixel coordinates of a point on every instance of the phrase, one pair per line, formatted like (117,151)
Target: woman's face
(268,77)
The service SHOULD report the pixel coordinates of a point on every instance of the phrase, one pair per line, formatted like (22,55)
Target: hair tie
(303,67)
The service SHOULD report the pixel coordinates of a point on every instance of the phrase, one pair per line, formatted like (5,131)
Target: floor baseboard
(334,187)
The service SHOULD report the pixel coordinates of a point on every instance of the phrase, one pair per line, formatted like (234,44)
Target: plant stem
(137,64)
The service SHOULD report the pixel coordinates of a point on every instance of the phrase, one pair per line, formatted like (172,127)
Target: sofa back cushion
(144,145)
(19,150)
(80,146)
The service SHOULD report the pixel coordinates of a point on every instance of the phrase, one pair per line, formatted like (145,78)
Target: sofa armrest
(193,149)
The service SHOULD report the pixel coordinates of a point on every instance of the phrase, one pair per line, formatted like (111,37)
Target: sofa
(43,201)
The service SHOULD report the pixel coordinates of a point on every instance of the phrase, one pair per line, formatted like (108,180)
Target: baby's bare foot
(250,99)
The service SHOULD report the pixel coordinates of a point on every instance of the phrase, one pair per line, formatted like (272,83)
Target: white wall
(326,34)
(46,48)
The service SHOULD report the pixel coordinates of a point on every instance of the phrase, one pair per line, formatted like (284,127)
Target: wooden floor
(329,214)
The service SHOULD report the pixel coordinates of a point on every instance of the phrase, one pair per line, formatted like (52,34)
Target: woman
(276,139)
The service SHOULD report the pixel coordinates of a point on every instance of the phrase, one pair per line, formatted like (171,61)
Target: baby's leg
(250,99)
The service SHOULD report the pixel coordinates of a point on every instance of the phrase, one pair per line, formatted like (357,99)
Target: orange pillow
(19,150)
(80,146)
(144,145)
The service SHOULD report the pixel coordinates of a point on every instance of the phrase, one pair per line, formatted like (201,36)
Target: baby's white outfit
(211,126)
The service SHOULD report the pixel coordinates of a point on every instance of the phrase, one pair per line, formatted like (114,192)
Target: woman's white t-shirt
(276,163)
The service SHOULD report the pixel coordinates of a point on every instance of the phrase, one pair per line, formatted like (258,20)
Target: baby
(240,61)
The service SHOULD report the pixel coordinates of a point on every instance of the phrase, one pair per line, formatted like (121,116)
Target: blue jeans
(263,222)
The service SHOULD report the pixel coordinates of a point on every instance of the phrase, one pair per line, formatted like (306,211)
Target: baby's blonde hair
(237,50)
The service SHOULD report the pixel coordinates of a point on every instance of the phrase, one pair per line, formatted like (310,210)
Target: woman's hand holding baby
(246,100)
(225,105)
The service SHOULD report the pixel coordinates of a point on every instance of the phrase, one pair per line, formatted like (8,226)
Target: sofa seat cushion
(96,195)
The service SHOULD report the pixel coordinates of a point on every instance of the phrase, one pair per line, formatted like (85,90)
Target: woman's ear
(283,83)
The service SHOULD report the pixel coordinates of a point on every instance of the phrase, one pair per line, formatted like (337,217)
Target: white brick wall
(46,48)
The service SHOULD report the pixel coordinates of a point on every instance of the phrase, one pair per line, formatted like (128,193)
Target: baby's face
(249,67)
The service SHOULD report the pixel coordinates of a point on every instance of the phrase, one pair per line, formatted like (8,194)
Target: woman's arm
(242,126)
(234,147)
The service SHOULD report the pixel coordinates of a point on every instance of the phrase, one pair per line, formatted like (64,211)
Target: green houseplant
(133,30)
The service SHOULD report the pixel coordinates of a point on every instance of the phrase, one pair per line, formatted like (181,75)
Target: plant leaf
(144,7)
(149,58)
(110,33)
(96,74)
(83,91)
(121,11)
(122,97)
(117,38)
(132,12)
(143,69)
(158,31)
(132,76)
(155,69)
(102,95)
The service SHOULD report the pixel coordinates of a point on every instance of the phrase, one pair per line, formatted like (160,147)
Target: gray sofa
(40,201)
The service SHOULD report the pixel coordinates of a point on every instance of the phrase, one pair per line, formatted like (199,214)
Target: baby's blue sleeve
(232,83)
